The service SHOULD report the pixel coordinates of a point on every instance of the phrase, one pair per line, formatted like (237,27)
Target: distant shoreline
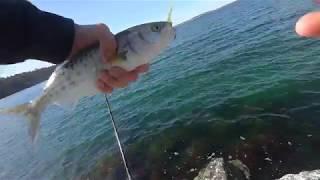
(19,82)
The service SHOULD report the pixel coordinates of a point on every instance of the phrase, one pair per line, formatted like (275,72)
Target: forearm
(29,33)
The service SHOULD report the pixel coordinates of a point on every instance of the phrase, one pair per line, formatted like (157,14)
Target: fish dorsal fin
(169,19)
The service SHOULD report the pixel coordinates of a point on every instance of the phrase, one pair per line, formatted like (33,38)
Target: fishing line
(114,124)
(117,137)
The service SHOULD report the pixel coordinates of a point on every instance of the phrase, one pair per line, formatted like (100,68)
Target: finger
(104,87)
(117,72)
(143,68)
(123,75)
(107,42)
(111,81)
(132,76)
(309,25)
(129,76)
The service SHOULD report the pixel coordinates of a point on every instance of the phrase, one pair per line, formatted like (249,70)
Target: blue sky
(118,15)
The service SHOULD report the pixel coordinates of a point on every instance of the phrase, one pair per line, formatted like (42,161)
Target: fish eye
(155,28)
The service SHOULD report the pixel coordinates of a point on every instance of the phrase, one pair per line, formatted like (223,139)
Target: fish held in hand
(76,78)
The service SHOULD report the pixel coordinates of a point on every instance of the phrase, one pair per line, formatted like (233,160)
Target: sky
(118,15)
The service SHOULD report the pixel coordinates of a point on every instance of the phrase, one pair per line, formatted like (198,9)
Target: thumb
(309,25)
(107,42)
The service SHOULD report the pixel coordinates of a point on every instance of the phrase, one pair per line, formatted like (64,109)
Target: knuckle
(112,82)
(103,26)
(107,88)
(103,87)
(105,76)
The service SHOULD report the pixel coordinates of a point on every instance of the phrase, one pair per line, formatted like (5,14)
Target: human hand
(118,78)
(87,35)
(309,25)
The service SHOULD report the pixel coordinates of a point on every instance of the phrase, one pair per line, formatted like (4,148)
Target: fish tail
(16,110)
(32,111)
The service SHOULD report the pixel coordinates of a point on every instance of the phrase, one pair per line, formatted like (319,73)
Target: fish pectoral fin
(117,61)
(120,58)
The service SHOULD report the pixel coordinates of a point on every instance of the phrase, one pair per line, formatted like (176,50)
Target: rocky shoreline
(218,169)
(18,82)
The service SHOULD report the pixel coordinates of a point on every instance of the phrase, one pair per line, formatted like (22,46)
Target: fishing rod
(118,139)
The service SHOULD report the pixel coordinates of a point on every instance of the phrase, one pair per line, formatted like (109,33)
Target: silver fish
(76,78)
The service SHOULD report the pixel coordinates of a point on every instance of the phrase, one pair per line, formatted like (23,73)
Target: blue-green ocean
(237,82)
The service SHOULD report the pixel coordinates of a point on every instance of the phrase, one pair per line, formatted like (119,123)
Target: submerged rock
(240,166)
(214,171)
(217,169)
(304,175)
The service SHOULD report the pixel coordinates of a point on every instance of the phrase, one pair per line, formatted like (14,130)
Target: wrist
(75,41)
